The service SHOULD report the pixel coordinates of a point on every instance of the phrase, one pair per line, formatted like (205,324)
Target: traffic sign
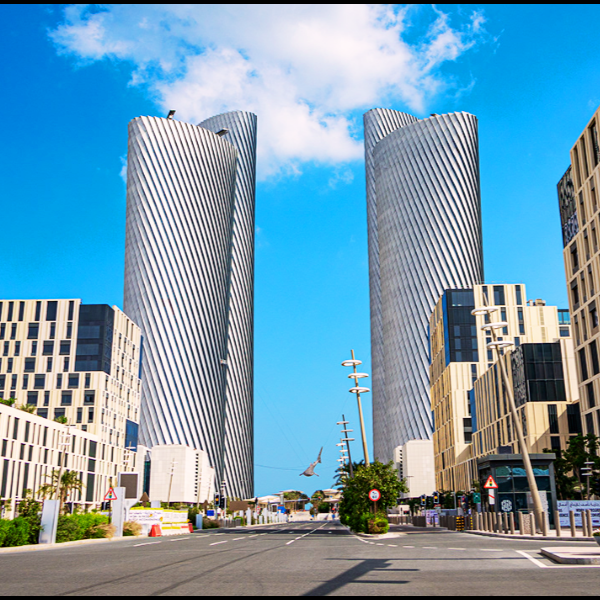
(374,495)
(110,495)
(476,497)
(490,484)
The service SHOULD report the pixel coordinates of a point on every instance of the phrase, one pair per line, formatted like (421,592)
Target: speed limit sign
(374,495)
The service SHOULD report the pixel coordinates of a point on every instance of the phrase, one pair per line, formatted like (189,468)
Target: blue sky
(74,77)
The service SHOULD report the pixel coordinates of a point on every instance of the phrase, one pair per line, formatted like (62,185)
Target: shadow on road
(353,574)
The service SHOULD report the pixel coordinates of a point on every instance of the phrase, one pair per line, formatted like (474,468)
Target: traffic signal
(436,497)
(423,500)
(217,501)
(222,502)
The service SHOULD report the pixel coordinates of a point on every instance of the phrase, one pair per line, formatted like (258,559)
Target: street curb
(508,536)
(378,536)
(42,547)
(559,557)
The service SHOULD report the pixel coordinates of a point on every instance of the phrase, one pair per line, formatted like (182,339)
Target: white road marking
(456,548)
(215,543)
(236,539)
(291,542)
(379,544)
(488,550)
(408,546)
(392,546)
(146,544)
(429,547)
(178,540)
(541,565)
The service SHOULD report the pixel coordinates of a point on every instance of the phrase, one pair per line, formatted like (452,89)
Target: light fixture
(171,114)
(222,132)
(497,325)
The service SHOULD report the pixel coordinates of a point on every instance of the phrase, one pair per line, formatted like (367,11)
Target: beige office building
(66,359)
(580,219)
(459,357)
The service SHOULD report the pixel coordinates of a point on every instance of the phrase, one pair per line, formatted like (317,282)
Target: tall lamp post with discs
(358,390)
(496,344)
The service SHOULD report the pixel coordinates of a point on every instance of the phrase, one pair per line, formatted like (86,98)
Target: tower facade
(182,196)
(424,203)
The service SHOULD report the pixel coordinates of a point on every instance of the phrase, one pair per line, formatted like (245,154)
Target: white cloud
(305,70)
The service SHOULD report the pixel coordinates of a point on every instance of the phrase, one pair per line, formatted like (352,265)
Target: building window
(66,364)
(519,295)
(59,381)
(74,380)
(555,443)
(52,331)
(590,395)
(583,365)
(33,331)
(69,330)
(553,418)
(48,349)
(32,398)
(17,348)
(88,380)
(49,365)
(499,295)
(2,331)
(71,310)
(40,382)
(59,412)
(11,307)
(42,412)
(89,397)
(79,415)
(38,311)
(65,348)
(13,331)
(574,419)
(29,365)
(589,423)
(66,399)
(574,258)
(51,310)
(47,398)
(25,381)
(21,310)
(34,348)
(594,353)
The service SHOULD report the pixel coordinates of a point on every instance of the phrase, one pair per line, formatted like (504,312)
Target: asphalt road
(300,559)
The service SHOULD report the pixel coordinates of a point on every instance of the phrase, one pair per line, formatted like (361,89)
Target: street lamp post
(498,345)
(347,440)
(358,391)
(587,472)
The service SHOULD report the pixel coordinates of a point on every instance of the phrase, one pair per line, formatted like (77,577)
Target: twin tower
(189,285)
(189,272)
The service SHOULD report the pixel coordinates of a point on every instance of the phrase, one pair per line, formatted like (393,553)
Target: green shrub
(130,529)
(4,527)
(209,524)
(18,533)
(86,526)
(378,524)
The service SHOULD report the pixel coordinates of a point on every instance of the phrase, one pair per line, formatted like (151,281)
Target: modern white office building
(424,225)
(78,363)
(180,474)
(189,284)
(415,464)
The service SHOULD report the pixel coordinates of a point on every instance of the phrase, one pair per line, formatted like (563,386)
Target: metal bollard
(498,522)
(572,523)
(505,522)
(584,524)
(488,523)
(588,514)
(512,523)
(544,525)
(521,524)
(557,524)
(532,523)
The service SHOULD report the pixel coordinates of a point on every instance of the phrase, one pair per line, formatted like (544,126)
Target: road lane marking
(458,549)
(146,544)
(490,550)
(215,543)
(392,546)
(408,546)
(379,544)
(236,539)
(178,540)
(429,547)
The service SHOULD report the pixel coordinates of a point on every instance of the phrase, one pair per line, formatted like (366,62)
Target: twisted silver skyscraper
(189,275)
(424,226)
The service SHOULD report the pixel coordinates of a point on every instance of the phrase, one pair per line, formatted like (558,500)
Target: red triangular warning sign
(490,484)
(110,495)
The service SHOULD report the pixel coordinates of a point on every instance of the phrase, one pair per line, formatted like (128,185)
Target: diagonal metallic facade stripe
(378,123)
(180,204)
(239,393)
(426,178)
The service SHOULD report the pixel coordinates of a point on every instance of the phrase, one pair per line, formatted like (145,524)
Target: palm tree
(69,482)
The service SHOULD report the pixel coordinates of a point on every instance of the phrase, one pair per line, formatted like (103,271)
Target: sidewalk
(566,536)
(42,547)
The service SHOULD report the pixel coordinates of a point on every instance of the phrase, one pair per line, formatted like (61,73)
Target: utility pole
(497,345)
(358,390)
(587,472)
